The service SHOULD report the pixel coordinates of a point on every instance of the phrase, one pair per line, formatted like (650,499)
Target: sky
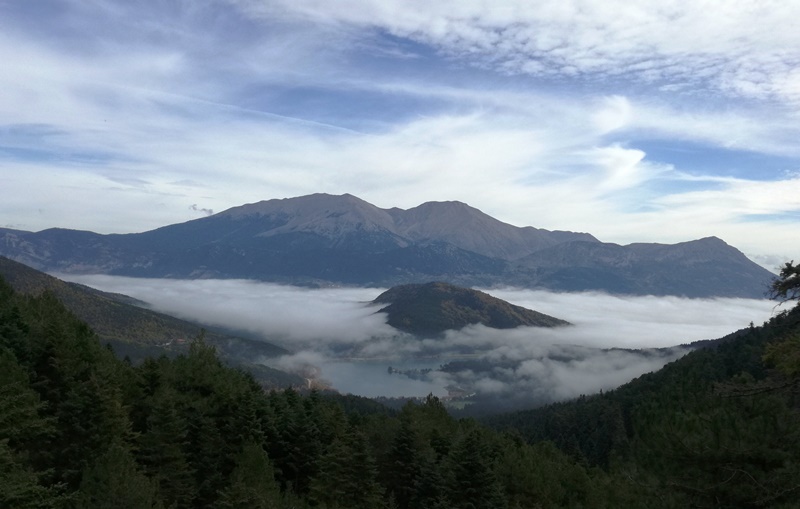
(654,121)
(348,343)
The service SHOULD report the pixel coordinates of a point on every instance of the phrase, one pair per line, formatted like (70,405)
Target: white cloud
(635,322)
(737,47)
(336,336)
(343,315)
(117,107)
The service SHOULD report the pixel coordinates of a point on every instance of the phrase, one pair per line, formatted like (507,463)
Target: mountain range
(323,239)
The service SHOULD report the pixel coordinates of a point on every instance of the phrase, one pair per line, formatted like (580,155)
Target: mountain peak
(452,222)
(446,205)
(310,201)
(469,228)
(325,214)
(712,240)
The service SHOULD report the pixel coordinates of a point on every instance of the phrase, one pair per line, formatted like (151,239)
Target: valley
(343,335)
(716,389)
(294,290)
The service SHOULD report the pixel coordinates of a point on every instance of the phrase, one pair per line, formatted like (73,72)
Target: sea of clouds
(345,337)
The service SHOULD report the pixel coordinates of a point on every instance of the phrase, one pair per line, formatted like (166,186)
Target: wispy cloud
(736,47)
(538,115)
(202,210)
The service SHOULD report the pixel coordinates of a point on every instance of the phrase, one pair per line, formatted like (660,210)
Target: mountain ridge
(323,239)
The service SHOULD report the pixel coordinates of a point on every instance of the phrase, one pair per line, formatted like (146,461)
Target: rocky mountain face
(433,308)
(699,268)
(467,228)
(323,239)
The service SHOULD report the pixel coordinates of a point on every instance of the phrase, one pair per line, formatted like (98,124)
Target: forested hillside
(719,427)
(80,428)
(137,332)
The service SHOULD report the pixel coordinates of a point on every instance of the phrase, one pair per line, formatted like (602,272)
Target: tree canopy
(786,286)
(82,428)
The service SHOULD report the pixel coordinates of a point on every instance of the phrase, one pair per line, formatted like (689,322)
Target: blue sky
(660,122)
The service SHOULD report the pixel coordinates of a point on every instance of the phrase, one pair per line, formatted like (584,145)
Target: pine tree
(13,329)
(20,487)
(252,482)
(296,446)
(206,455)
(472,480)
(430,488)
(22,430)
(347,475)
(161,451)
(114,482)
(404,464)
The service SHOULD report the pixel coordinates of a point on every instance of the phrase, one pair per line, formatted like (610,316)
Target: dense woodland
(81,428)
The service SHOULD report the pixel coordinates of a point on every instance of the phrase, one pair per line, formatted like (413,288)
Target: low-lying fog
(338,331)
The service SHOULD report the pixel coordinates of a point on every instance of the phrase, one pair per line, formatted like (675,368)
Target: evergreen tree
(114,482)
(347,475)
(206,455)
(472,482)
(296,446)
(430,487)
(252,483)
(786,286)
(161,451)
(540,475)
(13,329)
(21,424)
(404,464)
(20,487)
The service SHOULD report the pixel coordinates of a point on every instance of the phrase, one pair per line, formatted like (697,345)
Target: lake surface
(371,378)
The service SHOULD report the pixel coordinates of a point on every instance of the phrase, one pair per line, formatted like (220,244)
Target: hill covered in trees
(719,427)
(433,308)
(80,428)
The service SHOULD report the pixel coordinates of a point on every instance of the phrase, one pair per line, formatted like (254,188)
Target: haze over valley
(338,332)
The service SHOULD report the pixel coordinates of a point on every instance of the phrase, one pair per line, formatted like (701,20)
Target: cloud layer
(337,336)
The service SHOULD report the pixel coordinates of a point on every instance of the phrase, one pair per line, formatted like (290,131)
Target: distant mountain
(323,239)
(700,268)
(138,332)
(432,308)
(468,228)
